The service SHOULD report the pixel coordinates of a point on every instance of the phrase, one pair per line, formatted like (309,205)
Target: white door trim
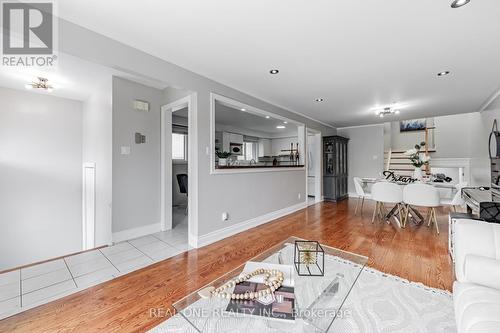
(88,206)
(166,160)
(318,197)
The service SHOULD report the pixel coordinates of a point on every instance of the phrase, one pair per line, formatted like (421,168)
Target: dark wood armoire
(335,180)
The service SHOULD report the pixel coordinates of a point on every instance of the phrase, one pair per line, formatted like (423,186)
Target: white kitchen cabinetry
(265,147)
(228,138)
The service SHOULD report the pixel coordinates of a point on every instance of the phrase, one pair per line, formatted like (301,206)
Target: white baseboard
(136,232)
(217,235)
(193,241)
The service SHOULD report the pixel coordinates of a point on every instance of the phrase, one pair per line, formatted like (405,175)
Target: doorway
(178,207)
(313,170)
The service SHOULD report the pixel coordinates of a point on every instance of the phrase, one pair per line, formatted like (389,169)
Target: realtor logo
(28,33)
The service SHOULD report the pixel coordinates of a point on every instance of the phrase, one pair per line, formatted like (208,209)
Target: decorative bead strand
(273,279)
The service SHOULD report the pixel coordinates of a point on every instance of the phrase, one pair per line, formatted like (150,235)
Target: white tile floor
(26,288)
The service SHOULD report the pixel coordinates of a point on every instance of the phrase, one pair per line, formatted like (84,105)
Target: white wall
(277,145)
(453,135)
(97,148)
(244,196)
(136,177)
(406,140)
(463,136)
(365,151)
(40,177)
(482,125)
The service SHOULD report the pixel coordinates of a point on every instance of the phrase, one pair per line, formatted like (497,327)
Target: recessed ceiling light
(285,122)
(243,109)
(267,117)
(459,3)
(280,127)
(319,100)
(274,71)
(444,73)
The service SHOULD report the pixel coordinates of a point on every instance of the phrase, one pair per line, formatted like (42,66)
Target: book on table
(279,305)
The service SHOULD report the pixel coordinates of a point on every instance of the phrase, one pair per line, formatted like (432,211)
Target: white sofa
(476,293)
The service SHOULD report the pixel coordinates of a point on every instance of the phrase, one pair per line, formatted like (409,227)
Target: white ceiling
(72,78)
(356,54)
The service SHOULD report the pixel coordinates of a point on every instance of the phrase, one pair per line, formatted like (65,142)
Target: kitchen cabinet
(265,147)
(228,138)
(335,176)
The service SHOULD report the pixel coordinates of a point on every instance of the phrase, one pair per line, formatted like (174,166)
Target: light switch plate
(125,150)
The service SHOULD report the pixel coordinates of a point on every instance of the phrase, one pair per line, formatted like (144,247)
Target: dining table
(413,213)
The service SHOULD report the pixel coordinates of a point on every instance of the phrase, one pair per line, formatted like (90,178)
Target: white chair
(360,192)
(457,198)
(422,195)
(386,193)
(476,293)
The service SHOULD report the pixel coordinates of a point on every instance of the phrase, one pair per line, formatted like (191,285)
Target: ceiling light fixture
(280,127)
(285,122)
(243,109)
(42,83)
(444,73)
(274,71)
(267,117)
(319,100)
(459,3)
(386,111)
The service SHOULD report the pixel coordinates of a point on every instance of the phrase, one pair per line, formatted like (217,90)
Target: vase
(222,162)
(417,173)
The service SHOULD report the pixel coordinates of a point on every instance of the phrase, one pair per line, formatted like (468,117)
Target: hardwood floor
(123,305)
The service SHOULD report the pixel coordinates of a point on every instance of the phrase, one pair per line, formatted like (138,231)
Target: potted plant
(222,155)
(418,159)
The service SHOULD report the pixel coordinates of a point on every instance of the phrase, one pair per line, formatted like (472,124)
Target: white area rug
(378,303)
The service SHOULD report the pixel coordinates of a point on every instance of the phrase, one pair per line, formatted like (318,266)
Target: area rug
(378,303)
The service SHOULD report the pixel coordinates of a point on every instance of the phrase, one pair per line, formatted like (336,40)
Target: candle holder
(309,258)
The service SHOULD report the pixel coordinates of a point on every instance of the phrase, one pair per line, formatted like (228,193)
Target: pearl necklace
(273,279)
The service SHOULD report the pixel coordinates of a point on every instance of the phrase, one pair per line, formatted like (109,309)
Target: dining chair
(457,198)
(422,195)
(360,192)
(386,193)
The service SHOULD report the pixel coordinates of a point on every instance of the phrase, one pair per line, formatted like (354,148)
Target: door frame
(318,170)
(88,205)
(166,165)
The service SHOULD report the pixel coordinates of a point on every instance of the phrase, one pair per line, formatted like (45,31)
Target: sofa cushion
(474,237)
(477,308)
(482,270)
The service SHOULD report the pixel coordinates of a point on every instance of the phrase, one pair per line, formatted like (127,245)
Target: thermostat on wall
(141,105)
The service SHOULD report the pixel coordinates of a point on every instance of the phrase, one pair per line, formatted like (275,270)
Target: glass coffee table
(318,299)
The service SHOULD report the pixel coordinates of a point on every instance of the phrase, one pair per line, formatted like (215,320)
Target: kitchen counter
(257,166)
